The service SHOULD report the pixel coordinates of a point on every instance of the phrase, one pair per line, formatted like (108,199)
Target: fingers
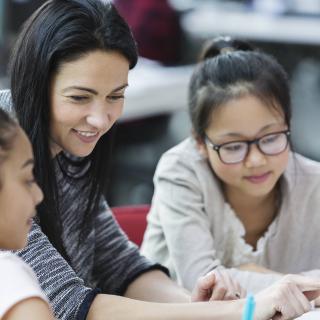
(297,303)
(203,288)
(303,283)
(208,281)
(287,301)
(226,288)
(282,301)
(217,285)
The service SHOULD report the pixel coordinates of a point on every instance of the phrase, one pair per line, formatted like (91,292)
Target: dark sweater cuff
(156,266)
(86,304)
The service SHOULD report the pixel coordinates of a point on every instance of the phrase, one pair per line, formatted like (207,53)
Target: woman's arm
(32,308)
(120,308)
(155,286)
(65,290)
(117,261)
(285,298)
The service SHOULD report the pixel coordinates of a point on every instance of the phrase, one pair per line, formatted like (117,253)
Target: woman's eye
(116,97)
(233,147)
(270,139)
(78,98)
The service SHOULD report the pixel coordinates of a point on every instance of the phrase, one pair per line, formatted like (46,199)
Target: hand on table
(217,285)
(287,299)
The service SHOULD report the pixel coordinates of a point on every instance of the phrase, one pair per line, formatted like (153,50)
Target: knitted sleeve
(65,290)
(117,260)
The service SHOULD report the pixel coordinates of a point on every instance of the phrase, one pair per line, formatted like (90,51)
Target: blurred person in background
(156,28)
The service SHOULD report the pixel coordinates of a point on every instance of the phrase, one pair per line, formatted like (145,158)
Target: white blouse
(17,282)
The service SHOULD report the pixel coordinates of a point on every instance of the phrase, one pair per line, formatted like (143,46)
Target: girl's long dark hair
(58,32)
(8,131)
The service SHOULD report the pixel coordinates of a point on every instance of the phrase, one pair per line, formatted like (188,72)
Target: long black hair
(230,68)
(8,131)
(61,31)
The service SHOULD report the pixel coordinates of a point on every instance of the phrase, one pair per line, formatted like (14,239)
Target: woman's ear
(202,147)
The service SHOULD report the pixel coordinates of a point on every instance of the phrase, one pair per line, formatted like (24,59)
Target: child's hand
(287,299)
(217,285)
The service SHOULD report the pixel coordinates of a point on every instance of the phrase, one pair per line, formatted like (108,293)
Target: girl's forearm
(155,286)
(120,308)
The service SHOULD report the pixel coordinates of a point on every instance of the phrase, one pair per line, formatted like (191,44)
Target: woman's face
(19,194)
(86,98)
(246,118)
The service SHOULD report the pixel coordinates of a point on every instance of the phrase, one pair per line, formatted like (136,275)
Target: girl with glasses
(20,294)
(233,197)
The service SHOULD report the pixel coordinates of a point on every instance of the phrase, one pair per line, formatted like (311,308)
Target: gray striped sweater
(105,260)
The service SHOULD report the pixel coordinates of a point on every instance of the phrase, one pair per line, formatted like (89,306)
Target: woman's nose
(98,117)
(255,158)
(101,117)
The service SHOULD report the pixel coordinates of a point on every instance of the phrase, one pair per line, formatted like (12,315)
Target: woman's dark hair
(61,31)
(231,68)
(8,132)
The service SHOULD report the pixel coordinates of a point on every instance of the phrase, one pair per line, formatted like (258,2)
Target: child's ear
(202,147)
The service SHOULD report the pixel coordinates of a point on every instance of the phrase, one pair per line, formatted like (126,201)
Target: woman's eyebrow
(80,88)
(120,88)
(92,90)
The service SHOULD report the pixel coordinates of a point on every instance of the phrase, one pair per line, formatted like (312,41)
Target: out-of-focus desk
(154,90)
(312,315)
(207,22)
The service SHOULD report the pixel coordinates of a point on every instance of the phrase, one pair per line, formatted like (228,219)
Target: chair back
(132,220)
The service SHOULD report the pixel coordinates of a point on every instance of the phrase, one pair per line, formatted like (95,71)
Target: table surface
(312,315)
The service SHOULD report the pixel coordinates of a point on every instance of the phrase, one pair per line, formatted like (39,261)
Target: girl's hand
(287,299)
(217,285)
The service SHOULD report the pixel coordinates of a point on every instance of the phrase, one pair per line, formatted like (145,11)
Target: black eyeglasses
(233,152)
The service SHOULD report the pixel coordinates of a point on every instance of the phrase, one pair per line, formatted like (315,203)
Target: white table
(208,22)
(155,89)
(312,315)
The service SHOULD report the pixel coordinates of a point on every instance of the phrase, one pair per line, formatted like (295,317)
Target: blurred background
(169,34)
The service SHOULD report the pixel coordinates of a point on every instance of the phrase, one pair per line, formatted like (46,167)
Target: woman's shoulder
(18,282)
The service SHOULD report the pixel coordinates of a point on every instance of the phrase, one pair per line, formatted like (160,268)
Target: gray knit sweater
(105,260)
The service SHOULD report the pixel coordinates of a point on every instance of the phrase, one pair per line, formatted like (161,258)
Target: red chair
(132,220)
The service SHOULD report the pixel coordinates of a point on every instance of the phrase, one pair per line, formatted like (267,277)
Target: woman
(68,77)
(233,197)
(20,293)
